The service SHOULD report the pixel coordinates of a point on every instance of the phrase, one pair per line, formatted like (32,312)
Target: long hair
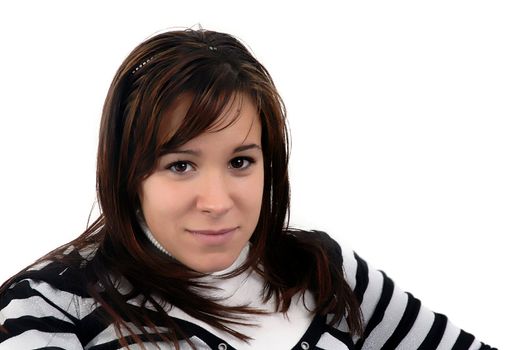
(213,68)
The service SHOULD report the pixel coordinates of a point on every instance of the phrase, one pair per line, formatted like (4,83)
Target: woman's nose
(214,196)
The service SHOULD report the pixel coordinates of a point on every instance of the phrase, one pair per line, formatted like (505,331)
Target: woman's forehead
(175,114)
(229,109)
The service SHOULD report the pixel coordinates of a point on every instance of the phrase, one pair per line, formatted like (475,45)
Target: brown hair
(213,68)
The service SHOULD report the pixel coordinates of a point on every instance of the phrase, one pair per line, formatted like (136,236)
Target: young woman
(192,249)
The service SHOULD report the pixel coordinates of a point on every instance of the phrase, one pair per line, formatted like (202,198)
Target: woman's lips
(213,232)
(214,237)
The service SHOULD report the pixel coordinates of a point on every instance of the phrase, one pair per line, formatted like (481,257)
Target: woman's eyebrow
(187,151)
(246,147)
(197,152)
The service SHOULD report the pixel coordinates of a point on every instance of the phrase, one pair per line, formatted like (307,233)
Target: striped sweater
(48,308)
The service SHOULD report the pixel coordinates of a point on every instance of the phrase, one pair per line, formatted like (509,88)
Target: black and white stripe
(49,308)
(397,320)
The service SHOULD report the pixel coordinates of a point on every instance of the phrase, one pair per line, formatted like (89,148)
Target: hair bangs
(216,97)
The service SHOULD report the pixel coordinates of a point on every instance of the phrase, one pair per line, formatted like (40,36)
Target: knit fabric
(49,308)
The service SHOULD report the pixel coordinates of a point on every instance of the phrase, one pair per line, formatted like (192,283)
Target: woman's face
(203,200)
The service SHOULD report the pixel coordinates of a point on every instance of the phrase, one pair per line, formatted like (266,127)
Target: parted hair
(212,68)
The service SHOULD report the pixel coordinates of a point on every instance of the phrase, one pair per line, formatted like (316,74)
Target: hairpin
(142,64)
(213,48)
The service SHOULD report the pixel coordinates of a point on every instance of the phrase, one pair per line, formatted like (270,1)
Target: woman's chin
(215,264)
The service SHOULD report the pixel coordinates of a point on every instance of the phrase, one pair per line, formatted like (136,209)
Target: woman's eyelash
(239,162)
(181,166)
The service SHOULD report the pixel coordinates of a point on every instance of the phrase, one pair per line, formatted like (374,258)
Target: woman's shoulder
(50,296)
(52,281)
(322,239)
(318,237)
(64,270)
(354,267)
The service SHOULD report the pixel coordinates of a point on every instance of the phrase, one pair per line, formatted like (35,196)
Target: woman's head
(193,91)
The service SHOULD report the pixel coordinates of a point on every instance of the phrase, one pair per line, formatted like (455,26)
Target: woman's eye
(241,162)
(181,167)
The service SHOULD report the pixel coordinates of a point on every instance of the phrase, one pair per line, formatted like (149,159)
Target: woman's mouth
(214,237)
(213,232)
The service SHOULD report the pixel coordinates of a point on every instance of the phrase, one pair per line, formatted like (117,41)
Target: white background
(406,116)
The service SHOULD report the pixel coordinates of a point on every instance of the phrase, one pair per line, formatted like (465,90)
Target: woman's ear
(139,197)
(139,214)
